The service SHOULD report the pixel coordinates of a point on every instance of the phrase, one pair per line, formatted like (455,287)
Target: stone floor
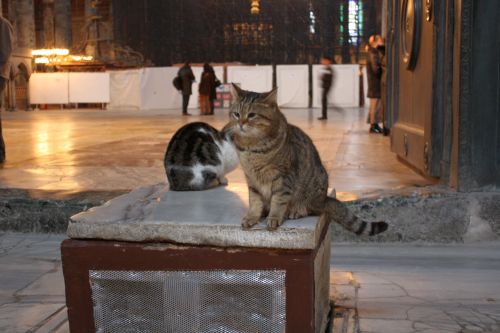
(376,289)
(410,289)
(72,151)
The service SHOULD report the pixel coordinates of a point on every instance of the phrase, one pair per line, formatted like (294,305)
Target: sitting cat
(198,157)
(282,166)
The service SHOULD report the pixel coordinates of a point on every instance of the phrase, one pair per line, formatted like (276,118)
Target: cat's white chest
(228,156)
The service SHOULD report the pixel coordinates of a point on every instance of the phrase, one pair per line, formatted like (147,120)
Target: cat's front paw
(249,221)
(273,223)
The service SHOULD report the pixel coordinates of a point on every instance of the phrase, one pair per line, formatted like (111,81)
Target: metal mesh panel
(189,301)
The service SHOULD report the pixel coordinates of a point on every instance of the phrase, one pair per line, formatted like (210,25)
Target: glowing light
(57,56)
(50,52)
(42,60)
(254,7)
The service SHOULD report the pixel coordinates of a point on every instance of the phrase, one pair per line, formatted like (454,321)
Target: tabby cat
(198,157)
(282,167)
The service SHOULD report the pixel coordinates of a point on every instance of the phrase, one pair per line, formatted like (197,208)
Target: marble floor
(73,151)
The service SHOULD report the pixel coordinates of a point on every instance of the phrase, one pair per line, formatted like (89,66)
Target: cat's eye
(236,115)
(251,115)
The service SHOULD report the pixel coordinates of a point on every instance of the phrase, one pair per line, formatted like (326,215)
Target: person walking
(207,84)
(6,46)
(326,85)
(374,73)
(187,78)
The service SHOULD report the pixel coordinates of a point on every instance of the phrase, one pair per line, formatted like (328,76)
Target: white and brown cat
(198,157)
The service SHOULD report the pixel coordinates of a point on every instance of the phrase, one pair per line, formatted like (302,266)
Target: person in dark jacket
(6,46)
(187,77)
(326,85)
(383,88)
(374,73)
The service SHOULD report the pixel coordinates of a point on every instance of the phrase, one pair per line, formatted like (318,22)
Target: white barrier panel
(157,90)
(49,88)
(293,83)
(193,101)
(89,87)
(125,89)
(345,89)
(253,78)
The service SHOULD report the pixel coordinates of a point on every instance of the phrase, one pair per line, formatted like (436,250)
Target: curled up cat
(198,157)
(284,173)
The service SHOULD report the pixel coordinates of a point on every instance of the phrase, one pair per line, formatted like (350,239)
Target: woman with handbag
(208,84)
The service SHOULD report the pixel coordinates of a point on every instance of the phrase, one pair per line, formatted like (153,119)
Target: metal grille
(235,301)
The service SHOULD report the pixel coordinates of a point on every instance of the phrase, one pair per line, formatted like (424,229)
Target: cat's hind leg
(298,211)
(223,180)
(210,179)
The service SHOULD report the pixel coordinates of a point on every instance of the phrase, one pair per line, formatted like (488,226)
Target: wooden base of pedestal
(305,273)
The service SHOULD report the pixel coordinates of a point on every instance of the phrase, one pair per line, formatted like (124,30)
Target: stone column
(48,24)
(62,12)
(90,24)
(25,23)
(384,19)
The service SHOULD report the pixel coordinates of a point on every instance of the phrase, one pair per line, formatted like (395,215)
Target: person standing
(374,73)
(383,88)
(6,46)
(213,89)
(207,84)
(326,85)
(187,78)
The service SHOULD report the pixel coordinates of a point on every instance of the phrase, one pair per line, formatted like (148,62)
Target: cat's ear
(271,97)
(235,92)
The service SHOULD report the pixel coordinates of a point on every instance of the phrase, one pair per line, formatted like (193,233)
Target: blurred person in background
(187,77)
(326,77)
(374,75)
(6,46)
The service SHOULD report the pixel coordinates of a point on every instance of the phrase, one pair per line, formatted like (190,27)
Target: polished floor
(72,151)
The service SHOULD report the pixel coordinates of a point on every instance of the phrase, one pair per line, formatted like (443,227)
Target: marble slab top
(212,217)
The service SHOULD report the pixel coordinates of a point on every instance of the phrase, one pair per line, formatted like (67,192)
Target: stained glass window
(353,23)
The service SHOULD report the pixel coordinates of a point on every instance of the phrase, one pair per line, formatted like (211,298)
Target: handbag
(177,82)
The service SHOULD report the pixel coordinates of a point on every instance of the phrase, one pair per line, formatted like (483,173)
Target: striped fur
(198,157)
(285,176)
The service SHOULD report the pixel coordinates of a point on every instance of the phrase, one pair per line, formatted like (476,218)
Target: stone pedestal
(162,261)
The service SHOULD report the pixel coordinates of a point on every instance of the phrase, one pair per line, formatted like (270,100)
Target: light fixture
(254,7)
(42,60)
(50,52)
(52,57)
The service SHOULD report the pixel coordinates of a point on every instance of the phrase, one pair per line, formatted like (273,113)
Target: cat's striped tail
(338,212)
